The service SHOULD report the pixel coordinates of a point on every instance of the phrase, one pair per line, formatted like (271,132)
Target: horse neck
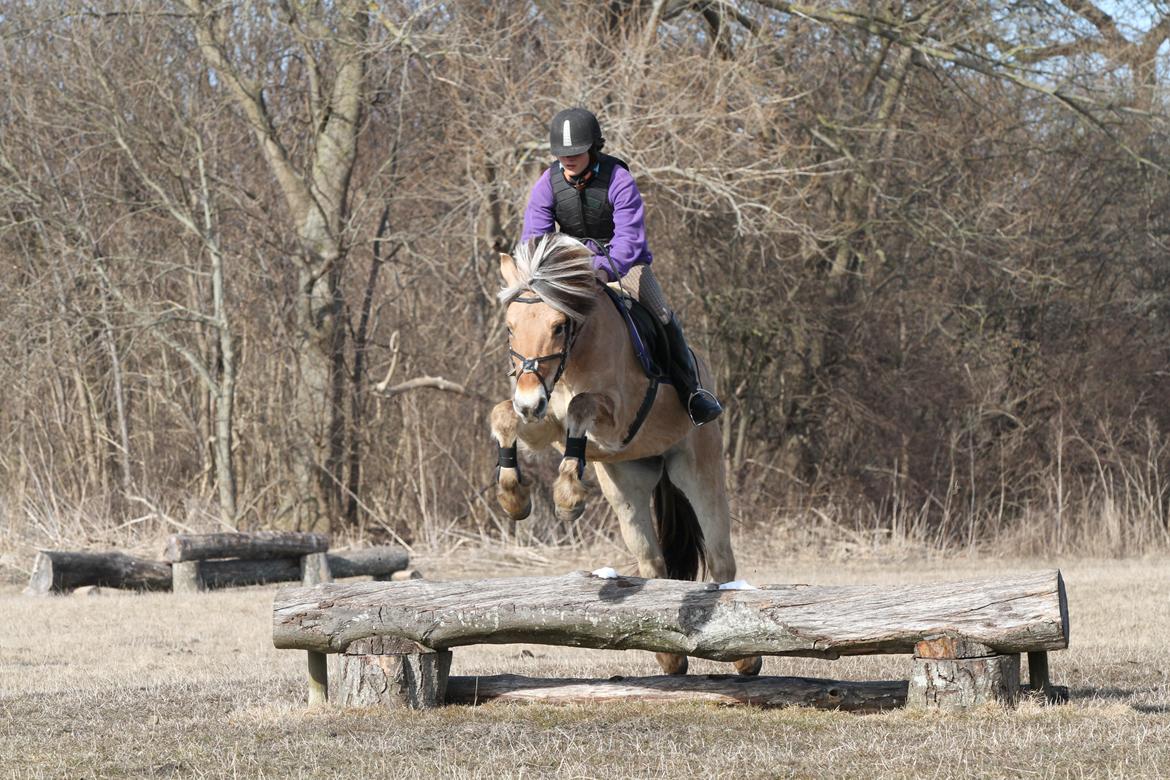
(602,351)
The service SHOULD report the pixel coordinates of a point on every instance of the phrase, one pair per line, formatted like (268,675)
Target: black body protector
(586,212)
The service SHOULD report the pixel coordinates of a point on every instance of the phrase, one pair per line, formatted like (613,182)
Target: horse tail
(679,533)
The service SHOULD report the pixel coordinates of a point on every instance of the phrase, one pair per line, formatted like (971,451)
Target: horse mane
(558,269)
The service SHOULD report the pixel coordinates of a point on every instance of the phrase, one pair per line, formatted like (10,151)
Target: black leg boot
(701,404)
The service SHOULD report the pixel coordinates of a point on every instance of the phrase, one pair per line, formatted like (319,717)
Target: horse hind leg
(696,470)
(513,493)
(628,486)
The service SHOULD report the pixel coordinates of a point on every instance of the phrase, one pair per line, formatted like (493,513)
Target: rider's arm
(539,214)
(628,246)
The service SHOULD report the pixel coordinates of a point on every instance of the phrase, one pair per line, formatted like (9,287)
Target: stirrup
(702,392)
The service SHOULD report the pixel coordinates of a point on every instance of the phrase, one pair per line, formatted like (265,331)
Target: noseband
(532,365)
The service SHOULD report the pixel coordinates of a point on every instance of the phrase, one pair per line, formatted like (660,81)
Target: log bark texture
(263,544)
(724,690)
(1025,613)
(56,571)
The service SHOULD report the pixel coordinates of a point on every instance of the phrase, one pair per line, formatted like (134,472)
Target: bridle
(574,445)
(531,365)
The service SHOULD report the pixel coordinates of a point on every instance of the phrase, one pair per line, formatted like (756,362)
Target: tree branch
(431,382)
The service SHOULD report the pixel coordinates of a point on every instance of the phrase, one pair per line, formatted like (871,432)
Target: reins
(532,366)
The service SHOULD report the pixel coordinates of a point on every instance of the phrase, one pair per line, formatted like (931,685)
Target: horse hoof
(516,507)
(672,663)
(750,667)
(567,514)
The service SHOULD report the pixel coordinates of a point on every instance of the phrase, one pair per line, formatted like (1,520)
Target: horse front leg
(513,492)
(569,491)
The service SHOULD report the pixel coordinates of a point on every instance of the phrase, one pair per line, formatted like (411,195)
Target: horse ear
(508,269)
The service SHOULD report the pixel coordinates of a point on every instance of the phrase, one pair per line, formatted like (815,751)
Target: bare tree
(332,46)
(923,248)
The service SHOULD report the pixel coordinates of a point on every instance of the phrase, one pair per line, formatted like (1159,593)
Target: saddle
(647,336)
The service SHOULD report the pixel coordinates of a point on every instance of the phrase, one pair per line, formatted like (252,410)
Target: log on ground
(724,690)
(263,544)
(381,561)
(59,571)
(373,561)
(1010,614)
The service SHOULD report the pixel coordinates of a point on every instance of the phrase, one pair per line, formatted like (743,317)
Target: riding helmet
(574,131)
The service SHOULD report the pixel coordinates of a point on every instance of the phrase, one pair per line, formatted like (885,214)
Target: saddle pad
(646,335)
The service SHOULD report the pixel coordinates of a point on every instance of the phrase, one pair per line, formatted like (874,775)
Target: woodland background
(249,259)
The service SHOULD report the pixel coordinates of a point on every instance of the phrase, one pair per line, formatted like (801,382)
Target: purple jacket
(628,247)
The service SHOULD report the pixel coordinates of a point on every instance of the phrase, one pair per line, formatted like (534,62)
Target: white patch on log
(606,573)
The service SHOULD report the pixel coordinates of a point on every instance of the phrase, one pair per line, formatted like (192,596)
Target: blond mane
(558,269)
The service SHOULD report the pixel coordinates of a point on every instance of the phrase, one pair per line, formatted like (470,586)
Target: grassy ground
(121,685)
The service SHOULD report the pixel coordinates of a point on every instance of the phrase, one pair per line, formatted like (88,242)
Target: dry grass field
(122,685)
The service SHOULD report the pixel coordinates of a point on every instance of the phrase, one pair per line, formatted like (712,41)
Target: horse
(578,385)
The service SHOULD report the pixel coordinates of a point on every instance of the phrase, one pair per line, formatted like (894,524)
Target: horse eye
(559,329)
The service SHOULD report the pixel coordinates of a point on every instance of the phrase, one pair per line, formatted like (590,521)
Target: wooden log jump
(201,561)
(57,571)
(976,627)
(372,562)
(221,560)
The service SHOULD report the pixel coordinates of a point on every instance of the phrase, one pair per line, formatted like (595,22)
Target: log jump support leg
(393,673)
(1040,688)
(315,569)
(951,673)
(1038,672)
(318,679)
(186,578)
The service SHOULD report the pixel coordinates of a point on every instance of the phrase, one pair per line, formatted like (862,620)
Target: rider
(592,197)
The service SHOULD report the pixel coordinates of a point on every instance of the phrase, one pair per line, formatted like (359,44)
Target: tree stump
(950,673)
(391,673)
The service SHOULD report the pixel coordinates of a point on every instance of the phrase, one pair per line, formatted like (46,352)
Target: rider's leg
(700,403)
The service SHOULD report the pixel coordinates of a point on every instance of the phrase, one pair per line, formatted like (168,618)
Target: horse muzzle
(530,403)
